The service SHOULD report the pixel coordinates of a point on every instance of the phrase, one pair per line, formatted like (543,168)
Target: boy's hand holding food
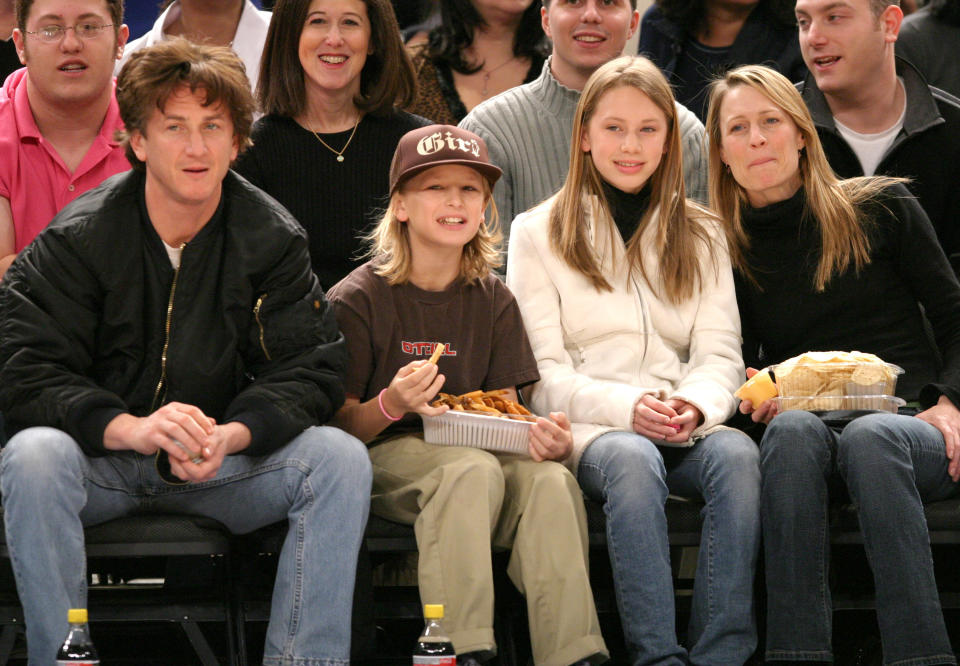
(551,440)
(412,389)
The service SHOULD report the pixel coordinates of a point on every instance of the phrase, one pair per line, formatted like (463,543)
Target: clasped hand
(672,420)
(194,442)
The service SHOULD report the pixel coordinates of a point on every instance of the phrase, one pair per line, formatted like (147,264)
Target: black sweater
(627,209)
(877,310)
(336,202)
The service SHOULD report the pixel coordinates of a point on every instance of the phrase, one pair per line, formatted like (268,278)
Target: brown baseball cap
(434,145)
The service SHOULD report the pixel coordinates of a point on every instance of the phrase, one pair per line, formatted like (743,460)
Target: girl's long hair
(834,205)
(389,245)
(680,235)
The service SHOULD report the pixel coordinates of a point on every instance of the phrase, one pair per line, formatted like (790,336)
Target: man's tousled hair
(153,74)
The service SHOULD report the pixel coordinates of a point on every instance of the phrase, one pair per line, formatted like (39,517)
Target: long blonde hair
(679,230)
(389,244)
(833,204)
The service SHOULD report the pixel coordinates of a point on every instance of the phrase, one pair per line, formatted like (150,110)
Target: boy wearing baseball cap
(428,285)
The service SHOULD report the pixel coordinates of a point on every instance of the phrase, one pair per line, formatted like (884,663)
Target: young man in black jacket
(165,346)
(874,113)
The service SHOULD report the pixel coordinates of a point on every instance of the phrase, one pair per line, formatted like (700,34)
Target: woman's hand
(945,417)
(551,440)
(653,418)
(687,419)
(412,389)
(767,409)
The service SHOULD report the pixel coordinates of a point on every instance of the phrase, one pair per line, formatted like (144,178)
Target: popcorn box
(457,428)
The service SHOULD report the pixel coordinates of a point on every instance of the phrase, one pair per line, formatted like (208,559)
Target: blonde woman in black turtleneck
(628,300)
(829,264)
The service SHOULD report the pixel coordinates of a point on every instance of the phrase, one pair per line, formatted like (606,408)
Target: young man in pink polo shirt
(58,115)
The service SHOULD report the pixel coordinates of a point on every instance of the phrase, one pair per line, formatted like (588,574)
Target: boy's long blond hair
(834,205)
(389,244)
(679,233)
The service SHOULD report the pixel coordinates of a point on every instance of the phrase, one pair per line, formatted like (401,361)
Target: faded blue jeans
(319,481)
(632,478)
(891,465)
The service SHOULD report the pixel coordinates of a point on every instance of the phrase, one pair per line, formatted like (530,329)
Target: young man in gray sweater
(527,128)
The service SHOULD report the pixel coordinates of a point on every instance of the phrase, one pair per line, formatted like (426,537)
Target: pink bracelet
(383,410)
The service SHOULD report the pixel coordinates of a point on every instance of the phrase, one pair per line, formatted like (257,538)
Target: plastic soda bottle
(77,648)
(434,647)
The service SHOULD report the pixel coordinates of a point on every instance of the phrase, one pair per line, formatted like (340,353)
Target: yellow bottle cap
(77,616)
(433,611)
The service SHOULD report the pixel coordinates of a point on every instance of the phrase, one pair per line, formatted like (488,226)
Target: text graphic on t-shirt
(425,348)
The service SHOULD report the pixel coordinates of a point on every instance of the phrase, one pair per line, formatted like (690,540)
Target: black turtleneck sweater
(626,209)
(336,202)
(877,310)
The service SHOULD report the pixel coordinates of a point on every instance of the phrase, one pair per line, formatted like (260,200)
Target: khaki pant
(462,500)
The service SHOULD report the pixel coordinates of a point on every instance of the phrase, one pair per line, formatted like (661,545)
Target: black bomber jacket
(95,322)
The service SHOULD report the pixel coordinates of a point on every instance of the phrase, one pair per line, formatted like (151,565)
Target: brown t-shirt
(479,324)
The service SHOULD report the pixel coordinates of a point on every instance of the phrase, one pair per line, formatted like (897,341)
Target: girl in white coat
(628,301)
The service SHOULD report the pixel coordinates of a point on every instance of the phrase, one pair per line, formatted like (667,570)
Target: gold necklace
(487,72)
(338,153)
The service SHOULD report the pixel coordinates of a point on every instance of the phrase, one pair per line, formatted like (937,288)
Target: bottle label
(434,661)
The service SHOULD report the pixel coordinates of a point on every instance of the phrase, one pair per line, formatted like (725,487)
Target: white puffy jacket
(599,352)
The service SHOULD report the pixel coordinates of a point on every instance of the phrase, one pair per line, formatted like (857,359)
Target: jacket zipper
(644,320)
(256,314)
(166,339)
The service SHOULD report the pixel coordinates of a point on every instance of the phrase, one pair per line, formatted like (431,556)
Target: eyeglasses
(54,33)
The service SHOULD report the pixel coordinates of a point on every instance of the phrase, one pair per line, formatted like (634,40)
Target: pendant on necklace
(339,158)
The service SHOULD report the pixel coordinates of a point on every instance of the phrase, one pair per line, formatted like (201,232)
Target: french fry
(437,353)
(485,402)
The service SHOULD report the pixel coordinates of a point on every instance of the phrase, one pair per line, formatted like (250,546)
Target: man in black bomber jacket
(165,346)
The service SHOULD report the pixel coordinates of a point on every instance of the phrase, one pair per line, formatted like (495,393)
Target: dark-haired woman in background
(930,39)
(694,41)
(480,49)
(332,76)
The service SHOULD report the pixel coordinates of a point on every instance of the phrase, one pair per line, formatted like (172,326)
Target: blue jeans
(891,464)
(319,482)
(632,478)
